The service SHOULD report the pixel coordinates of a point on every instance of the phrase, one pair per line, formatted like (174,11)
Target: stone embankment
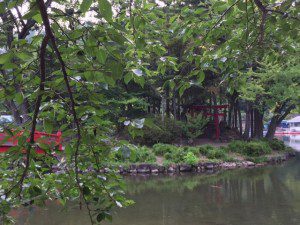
(145,168)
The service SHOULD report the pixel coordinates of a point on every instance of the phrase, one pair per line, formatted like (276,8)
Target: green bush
(277,145)
(252,148)
(160,132)
(216,153)
(176,156)
(190,159)
(194,150)
(237,146)
(204,149)
(134,154)
(194,126)
(162,149)
(257,148)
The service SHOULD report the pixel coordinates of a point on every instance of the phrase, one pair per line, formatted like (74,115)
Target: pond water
(268,196)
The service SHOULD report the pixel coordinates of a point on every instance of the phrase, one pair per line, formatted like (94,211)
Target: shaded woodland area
(102,70)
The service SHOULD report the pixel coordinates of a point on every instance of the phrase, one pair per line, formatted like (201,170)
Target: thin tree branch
(34,119)
(43,10)
(219,20)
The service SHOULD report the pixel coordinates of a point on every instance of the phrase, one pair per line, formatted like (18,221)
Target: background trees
(89,67)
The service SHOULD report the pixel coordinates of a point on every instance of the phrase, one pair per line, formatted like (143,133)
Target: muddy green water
(259,196)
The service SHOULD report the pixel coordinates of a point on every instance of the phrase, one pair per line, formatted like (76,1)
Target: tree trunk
(168,101)
(230,115)
(247,122)
(277,119)
(258,124)
(163,108)
(252,122)
(272,128)
(174,104)
(240,120)
(235,116)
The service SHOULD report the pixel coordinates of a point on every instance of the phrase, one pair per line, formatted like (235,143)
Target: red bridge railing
(53,140)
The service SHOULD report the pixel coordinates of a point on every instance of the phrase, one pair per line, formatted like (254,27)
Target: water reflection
(291,140)
(268,196)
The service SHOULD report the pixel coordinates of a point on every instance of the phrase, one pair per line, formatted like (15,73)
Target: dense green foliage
(160,132)
(133,154)
(194,126)
(97,69)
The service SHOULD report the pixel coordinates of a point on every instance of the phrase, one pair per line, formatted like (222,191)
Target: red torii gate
(210,110)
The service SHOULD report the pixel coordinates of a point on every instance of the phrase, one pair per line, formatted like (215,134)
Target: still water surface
(259,196)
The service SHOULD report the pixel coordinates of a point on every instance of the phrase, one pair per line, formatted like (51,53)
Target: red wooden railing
(41,137)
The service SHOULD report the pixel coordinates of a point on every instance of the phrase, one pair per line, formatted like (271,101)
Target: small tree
(194,126)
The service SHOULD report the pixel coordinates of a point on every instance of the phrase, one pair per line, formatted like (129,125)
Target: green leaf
(101,56)
(23,55)
(117,70)
(38,18)
(184,87)
(4,58)
(201,76)
(48,126)
(19,97)
(2,7)
(105,9)
(110,81)
(140,81)
(85,5)
(128,77)
(200,10)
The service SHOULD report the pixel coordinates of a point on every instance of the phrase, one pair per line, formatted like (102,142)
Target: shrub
(194,126)
(134,154)
(204,149)
(160,132)
(194,150)
(252,148)
(144,154)
(190,159)
(257,148)
(162,149)
(277,145)
(176,156)
(216,153)
(237,146)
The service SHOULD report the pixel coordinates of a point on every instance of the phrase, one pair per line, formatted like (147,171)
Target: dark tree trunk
(168,101)
(252,122)
(235,116)
(240,120)
(277,119)
(258,124)
(247,122)
(230,115)
(272,128)
(174,105)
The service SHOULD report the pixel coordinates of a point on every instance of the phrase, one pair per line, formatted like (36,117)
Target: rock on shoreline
(145,168)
